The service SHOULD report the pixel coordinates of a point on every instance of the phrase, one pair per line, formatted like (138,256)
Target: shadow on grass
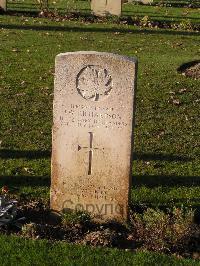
(32,181)
(184,66)
(138,180)
(15,154)
(172,3)
(34,11)
(94,29)
(160,157)
(154,16)
(152,181)
(37,154)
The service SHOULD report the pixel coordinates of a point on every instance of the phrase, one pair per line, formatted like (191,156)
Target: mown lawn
(15,251)
(170,12)
(26,252)
(166,162)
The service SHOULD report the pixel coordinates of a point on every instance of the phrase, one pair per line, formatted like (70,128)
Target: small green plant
(160,231)
(75,217)
(29,230)
(186,24)
(144,22)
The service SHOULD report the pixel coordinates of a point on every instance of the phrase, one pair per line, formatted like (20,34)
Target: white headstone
(106,7)
(94,102)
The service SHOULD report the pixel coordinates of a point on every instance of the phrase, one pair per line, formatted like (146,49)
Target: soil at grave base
(144,22)
(39,225)
(192,71)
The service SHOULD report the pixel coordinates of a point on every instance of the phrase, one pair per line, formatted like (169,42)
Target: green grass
(16,251)
(166,136)
(166,162)
(155,13)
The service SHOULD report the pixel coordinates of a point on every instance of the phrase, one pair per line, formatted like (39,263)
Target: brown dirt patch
(38,224)
(191,69)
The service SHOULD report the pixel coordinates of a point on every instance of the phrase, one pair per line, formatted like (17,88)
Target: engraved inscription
(92,117)
(85,190)
(90,149)
(94,83)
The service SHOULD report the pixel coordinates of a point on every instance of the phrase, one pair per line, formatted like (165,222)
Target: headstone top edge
(110,55)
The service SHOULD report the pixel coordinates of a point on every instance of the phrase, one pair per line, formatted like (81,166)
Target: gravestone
(146,2)
(3,5)
(106,7)
(93,133)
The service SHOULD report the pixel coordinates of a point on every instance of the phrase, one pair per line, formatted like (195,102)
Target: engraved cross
(90,150)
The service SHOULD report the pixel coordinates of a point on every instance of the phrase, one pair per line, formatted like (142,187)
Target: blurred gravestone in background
(106,7)
(3,5)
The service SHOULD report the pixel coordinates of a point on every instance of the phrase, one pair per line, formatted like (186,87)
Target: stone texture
(98,7)
(3,4)
(93,133)
(106,7)
(146,2)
